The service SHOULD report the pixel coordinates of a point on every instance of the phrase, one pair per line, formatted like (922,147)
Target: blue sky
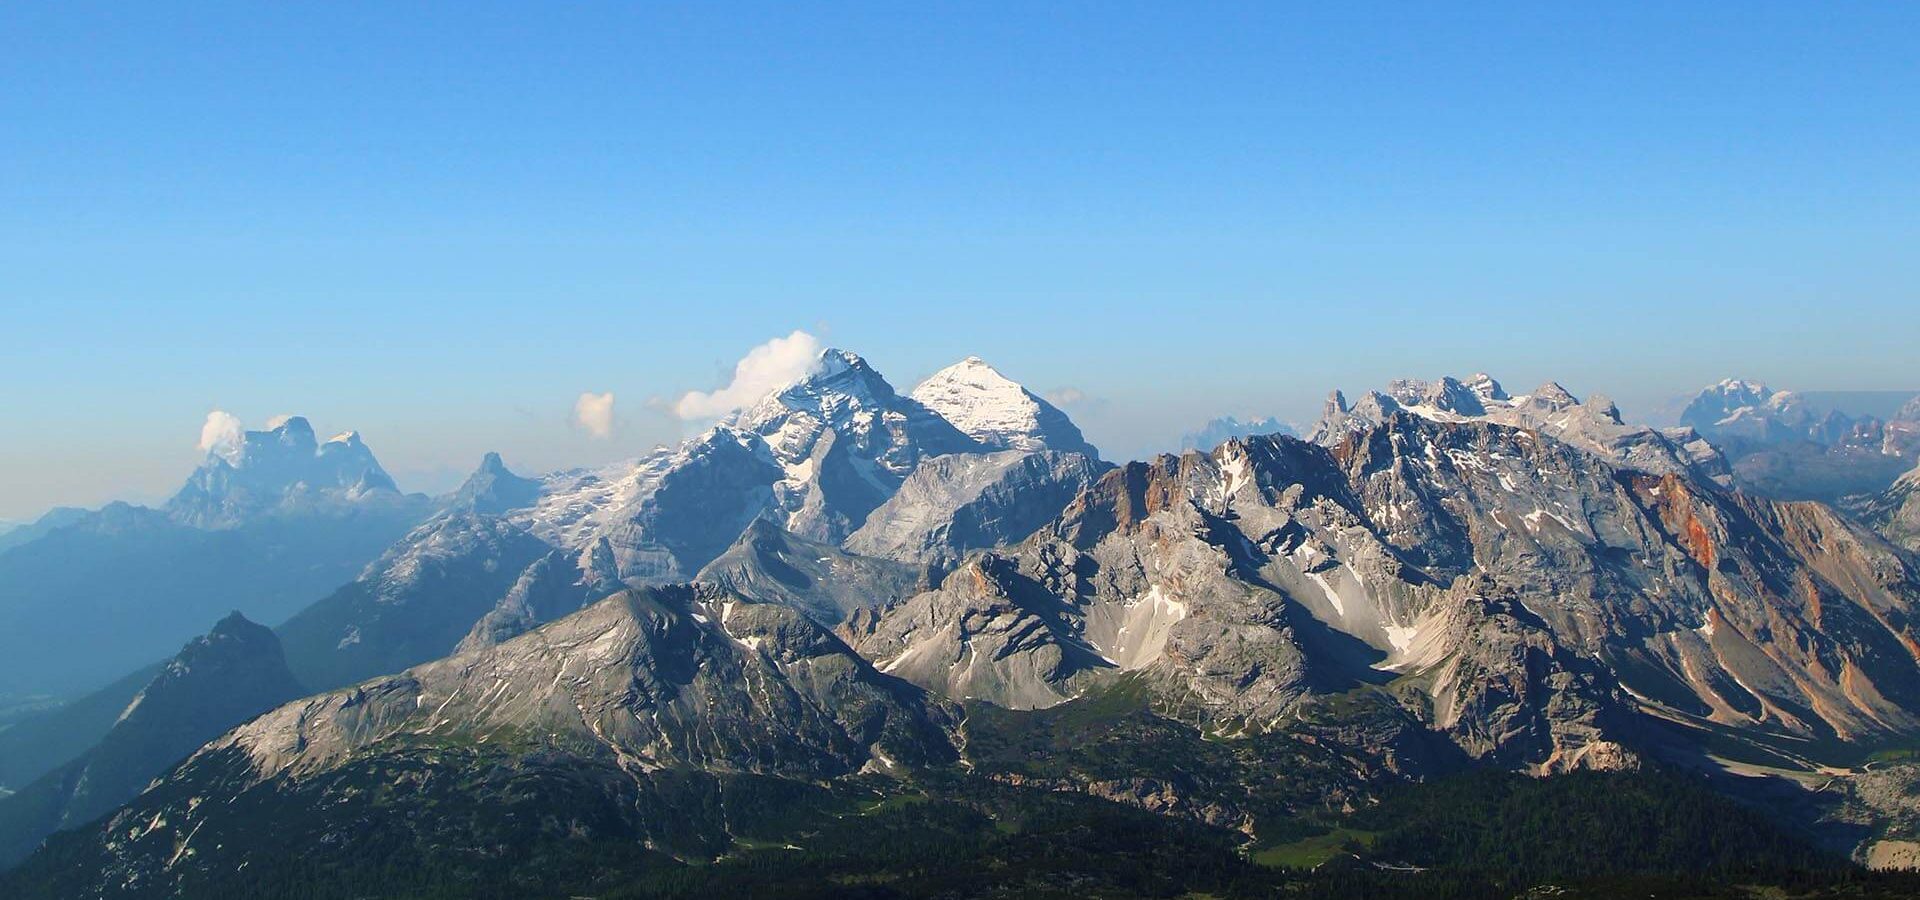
(439,224)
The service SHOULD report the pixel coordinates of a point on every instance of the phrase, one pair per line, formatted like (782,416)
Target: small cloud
(1066,396)
(1076,401)
(594,412)
(771,365)
(222,433)
(278,421)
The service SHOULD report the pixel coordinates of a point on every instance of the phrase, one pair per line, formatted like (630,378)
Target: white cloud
(771,365)
(1066,396)
(594,412)
(278,421)
(222,433)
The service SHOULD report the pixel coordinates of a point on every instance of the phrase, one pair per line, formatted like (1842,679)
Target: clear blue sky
(440,223)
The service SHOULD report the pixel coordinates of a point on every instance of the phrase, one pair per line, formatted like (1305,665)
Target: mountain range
(845,608)
(1788,444)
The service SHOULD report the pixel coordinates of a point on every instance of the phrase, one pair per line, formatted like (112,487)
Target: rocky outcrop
(954,504)
(988,633)
(553,586)
(772,565)
(688,675)
(1895,512)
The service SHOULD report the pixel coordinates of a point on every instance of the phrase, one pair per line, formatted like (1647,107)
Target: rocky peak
(1447,395)
(494,489)
(772,565)
(1551,396)
(1483,386)
(294,433)
(1604,407)
(235,640)
(1340,419)
(1450,395)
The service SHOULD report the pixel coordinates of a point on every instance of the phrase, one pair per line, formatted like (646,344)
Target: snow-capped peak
(1741,386)
(1488,390)
(996,410)
(838,387)
(1722,400)
(283,465)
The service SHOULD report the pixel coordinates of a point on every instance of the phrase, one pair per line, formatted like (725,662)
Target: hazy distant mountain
(266,527)
(282,470)
(492,489)
(1219,431)
(1802,446)
(22,532)
(34,744)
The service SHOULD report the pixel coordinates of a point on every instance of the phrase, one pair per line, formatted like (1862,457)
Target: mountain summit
(1718,401)
(284,467)
(997,411)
